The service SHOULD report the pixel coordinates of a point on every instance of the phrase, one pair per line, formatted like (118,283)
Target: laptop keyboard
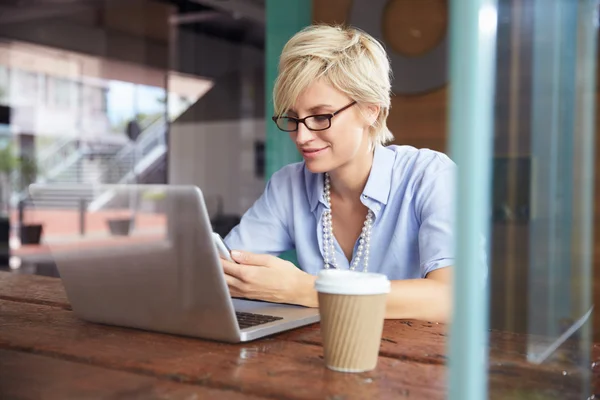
(247,320)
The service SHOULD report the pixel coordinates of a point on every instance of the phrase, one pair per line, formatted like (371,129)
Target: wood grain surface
(39,332)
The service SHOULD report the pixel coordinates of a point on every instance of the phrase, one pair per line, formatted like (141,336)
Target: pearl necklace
(364,241)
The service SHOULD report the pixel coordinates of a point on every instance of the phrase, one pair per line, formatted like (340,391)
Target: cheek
(347,137)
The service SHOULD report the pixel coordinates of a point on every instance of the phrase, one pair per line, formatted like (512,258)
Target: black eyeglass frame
(303,120)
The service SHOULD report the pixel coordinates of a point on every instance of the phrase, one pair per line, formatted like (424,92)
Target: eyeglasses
(318,122)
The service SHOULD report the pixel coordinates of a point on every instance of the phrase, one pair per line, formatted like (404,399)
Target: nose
(303,135)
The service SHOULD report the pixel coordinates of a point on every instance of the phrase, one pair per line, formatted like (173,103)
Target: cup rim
(345,282)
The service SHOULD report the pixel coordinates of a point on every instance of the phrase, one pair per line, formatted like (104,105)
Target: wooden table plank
(50,291)
(33,289)
(30,376)
(410,341)
(270,368)
(426,342)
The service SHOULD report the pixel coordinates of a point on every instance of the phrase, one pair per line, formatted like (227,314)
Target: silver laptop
(143,256)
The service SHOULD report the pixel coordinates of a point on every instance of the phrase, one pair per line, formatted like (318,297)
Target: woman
(352,203)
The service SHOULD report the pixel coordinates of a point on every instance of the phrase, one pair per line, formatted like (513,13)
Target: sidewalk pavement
(61,231)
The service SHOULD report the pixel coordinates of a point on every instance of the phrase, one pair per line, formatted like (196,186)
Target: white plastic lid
(335,281)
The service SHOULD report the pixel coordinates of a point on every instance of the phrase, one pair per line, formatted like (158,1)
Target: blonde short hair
(349,59)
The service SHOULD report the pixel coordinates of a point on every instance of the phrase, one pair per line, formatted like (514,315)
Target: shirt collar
(314,187)
(380,179)
(377,187)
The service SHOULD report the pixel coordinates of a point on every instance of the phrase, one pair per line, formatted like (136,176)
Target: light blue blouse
(409,190)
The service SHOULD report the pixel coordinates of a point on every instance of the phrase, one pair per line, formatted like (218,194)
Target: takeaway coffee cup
(352,308)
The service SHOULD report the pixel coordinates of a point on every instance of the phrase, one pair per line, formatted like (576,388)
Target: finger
(245,257)
(235,285)
(233,269)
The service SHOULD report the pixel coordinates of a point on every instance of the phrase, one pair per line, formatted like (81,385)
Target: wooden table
(46,352)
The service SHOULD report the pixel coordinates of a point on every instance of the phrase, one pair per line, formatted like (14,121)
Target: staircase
(83,170)
(88,168)
(136,157)
(75,184)
(131,163)
(67,197)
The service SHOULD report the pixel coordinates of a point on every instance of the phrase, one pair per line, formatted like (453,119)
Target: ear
(372,112)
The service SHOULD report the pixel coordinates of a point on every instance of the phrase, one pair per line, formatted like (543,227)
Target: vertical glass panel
(542,200)
(87,89)
(216,104)
(562,162)
(138,91)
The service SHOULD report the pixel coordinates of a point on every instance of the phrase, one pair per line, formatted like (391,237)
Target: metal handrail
(55,147)
(123,162)
(53,158)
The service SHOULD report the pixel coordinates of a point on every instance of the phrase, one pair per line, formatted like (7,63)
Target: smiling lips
(311,153)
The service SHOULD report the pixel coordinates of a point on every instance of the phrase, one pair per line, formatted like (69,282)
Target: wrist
(308,297)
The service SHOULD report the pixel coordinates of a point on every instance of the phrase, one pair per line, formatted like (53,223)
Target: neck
(349,181)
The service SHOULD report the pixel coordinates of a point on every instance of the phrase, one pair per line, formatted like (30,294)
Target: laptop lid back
(140,256)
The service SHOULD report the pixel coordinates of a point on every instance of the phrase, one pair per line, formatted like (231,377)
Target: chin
(317,167)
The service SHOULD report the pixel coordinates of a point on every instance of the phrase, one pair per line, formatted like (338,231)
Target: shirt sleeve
(264,228)
(437,232)
(435,211)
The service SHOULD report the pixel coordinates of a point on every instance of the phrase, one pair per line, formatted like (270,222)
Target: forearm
(422,299)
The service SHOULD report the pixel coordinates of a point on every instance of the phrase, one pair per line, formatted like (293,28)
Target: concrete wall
(218,157)
(212,144)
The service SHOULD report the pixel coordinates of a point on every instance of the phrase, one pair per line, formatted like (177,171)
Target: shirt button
(377,208)
(365,196)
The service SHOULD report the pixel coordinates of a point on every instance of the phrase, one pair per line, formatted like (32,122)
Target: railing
(70,161)
(58,157)
(132,160)
(48,157)
(50,164)
(121,167)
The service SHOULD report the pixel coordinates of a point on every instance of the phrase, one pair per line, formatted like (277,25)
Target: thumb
(245,257)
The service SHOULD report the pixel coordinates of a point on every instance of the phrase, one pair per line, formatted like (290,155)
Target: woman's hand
(269,278)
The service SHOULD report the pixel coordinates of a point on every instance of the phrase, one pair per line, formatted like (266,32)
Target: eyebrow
(313,109)
(319,107)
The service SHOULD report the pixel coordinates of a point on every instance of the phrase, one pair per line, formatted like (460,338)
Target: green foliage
(25,166)
(28,171)
(8,164)
(8,161)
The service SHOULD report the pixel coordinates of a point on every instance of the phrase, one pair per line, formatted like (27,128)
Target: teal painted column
(284,19)
(473,26)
